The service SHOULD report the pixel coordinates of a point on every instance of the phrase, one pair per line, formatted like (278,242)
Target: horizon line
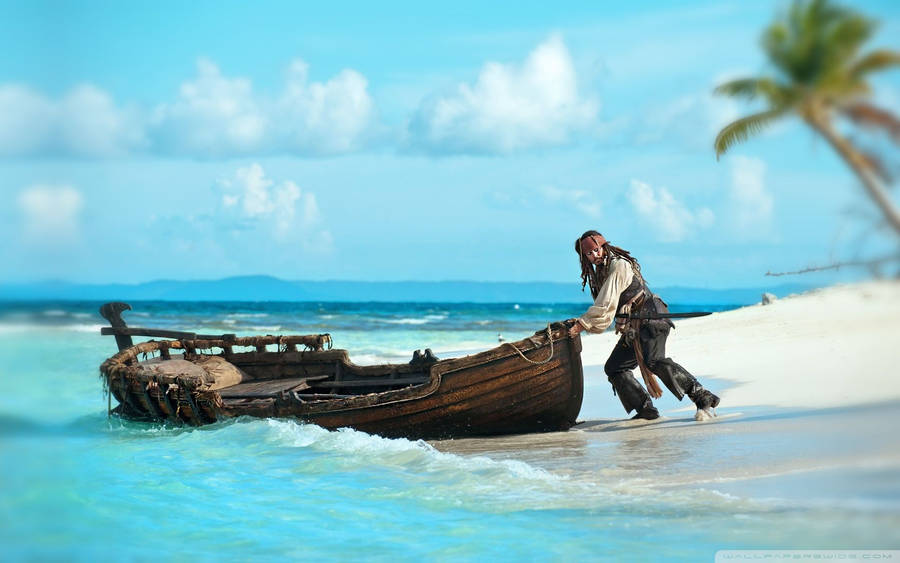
(402,281)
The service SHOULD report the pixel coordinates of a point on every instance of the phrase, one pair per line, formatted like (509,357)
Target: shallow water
(79,486)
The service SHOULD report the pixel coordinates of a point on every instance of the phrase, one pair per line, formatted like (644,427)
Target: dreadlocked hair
(595,276)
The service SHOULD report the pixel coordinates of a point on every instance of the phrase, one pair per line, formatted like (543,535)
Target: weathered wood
(164,351)
(196,417)
(171,411)
(460,400)
(112,312)
(493,392)
(152,406)
(321,396)
(162,333)
(373,382)
(268,388)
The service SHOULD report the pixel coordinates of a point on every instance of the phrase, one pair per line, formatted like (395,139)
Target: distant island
(267,288)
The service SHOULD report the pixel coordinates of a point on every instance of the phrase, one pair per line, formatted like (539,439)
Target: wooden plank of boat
(268,388)
(161,333)
(476,398)
(535,384)
(375,383)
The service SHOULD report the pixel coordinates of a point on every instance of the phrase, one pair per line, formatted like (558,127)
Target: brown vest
(637,286)
(650,304)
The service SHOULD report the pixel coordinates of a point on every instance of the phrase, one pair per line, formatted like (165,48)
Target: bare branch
(838,265)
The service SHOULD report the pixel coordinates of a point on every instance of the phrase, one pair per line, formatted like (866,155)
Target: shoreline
(830,347)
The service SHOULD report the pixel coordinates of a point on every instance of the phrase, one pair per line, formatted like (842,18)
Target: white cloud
(509,107)
(84,122)
(326,118)
(213,115)
(51,214)
(289,214)
(26,119)
(658,208)
(690,121)
(582,200)
(752,204)
(216,115)
(90,124)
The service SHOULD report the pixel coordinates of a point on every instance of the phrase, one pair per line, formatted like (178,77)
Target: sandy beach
(809,407)
(834,347)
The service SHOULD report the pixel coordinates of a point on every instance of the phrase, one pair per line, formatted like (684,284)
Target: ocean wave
(248,315)
(465,348)
(14,315)
(415,455)
(377,469)
(371,468)
(379,358)
(407,321)
(85,328)
(369,359)
(500,485)
(14,328)
(264,328)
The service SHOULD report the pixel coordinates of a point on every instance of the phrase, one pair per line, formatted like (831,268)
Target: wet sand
(810,407)
(845,461)
(676,451)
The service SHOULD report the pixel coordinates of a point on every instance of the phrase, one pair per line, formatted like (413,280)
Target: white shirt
(603,312)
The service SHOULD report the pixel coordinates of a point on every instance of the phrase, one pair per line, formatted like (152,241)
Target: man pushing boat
(620,294)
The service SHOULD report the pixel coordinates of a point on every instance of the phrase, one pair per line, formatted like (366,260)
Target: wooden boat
(532,385)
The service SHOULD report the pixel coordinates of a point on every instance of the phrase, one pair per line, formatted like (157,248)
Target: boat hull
(533,385)
(503,395)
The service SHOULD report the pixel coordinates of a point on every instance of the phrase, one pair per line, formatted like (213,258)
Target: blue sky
(363,141)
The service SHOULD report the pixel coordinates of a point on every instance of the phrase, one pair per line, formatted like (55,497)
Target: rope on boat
(550,357)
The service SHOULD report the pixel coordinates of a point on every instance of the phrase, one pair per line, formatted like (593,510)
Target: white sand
(833,347)
(830,348)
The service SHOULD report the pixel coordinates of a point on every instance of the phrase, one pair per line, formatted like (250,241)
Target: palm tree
(820,74)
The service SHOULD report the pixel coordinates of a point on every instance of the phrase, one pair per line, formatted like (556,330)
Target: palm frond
(843,40)
(815,39)
(751,88)
(774,43)
(881,59)
(748,88)
(741,130)
(849,29)
(871,116)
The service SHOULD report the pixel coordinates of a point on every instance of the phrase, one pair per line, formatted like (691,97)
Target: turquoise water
(79,486)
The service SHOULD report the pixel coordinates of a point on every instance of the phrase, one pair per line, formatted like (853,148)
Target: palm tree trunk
(857,162)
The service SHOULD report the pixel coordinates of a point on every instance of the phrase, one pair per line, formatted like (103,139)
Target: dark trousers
(652,340)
